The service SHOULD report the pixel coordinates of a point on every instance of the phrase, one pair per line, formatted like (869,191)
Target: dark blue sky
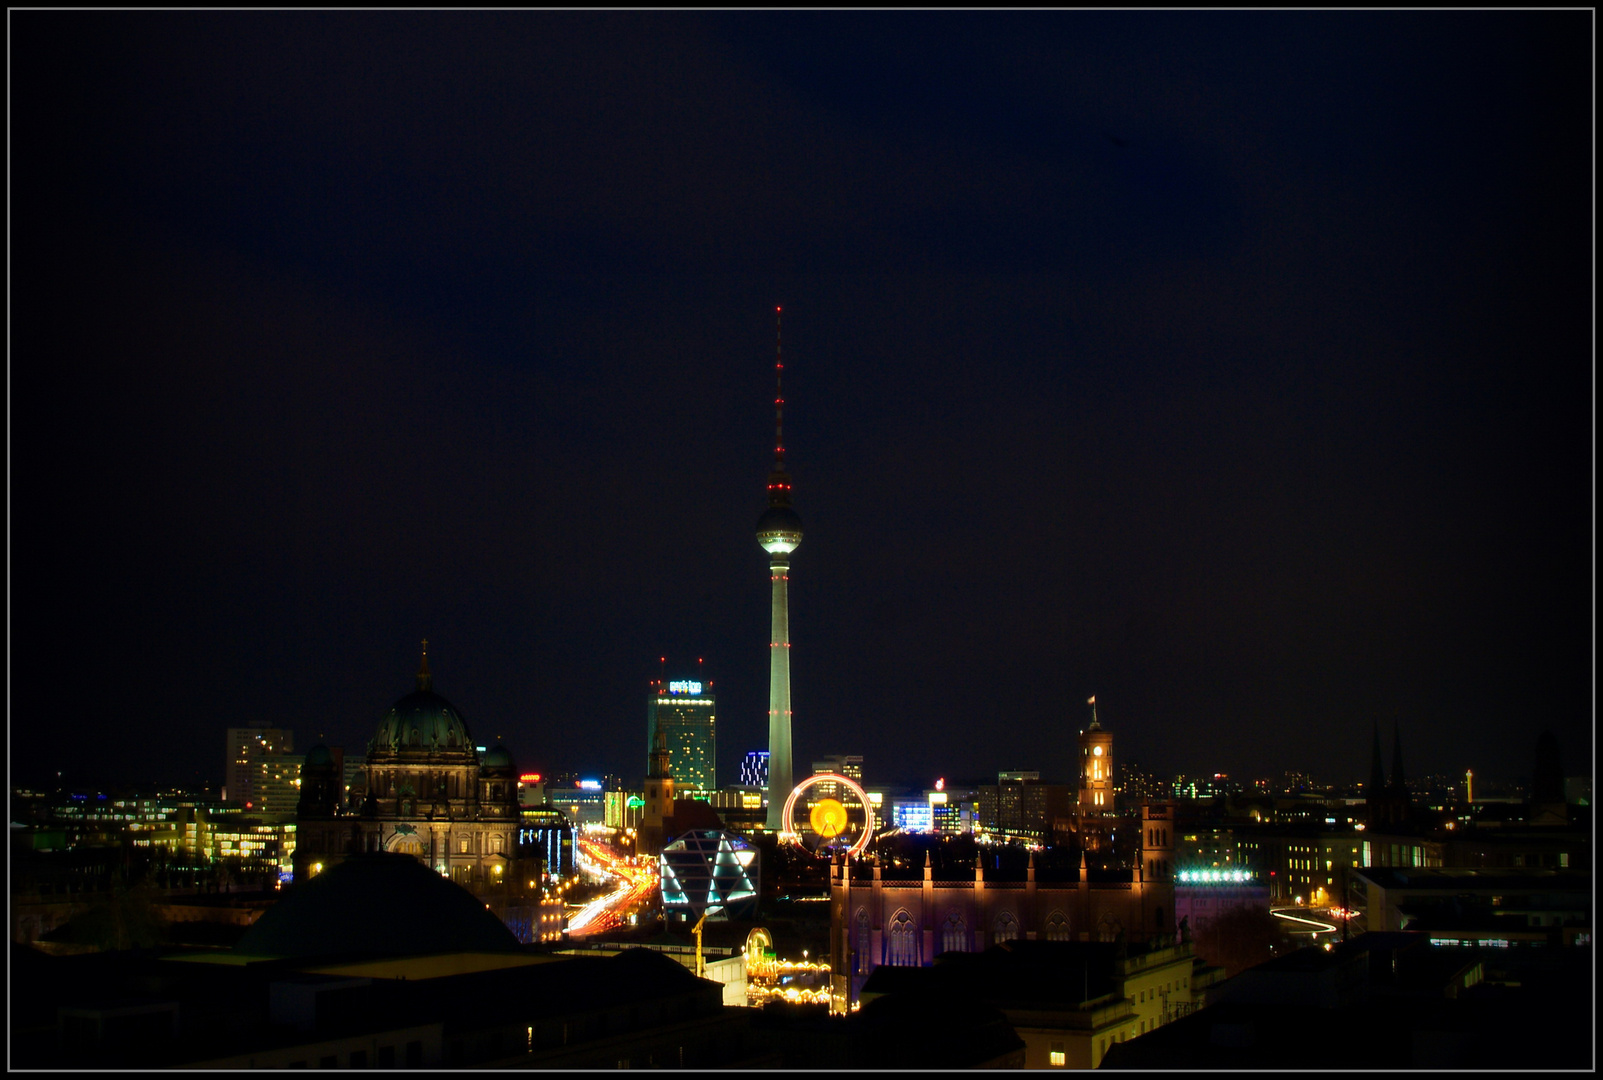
(1235,368)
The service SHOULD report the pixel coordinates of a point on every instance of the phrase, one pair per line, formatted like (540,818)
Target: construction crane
(697,931)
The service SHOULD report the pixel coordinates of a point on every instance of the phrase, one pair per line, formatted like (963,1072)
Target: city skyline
(1234,368)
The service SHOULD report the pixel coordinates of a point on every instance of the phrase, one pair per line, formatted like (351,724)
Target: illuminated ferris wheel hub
(828,823)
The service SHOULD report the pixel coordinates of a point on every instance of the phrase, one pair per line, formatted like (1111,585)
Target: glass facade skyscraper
(686,712)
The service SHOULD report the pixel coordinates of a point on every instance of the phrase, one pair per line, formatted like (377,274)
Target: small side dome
(319,756)
(497,757)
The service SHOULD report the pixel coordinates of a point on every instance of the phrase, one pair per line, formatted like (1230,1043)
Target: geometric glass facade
(707,871)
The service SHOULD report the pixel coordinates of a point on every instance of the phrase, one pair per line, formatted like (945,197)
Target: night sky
(1235,368)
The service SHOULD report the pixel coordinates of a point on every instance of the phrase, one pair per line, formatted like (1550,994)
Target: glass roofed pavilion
(709,872)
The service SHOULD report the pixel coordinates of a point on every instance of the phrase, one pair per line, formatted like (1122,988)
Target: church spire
(1398,779)
(1377,769)
(425,681)
(657,768)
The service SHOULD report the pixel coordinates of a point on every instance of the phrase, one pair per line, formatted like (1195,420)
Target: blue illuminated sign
(684,686)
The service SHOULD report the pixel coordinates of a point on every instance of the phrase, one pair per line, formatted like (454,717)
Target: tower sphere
(779,530)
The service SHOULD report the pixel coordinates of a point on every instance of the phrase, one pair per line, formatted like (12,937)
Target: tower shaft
(780,778)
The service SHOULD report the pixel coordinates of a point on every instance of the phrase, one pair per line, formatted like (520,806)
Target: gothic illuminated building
(779,532)
(427,794)
(877,920)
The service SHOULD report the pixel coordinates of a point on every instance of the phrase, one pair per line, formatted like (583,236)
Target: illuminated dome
(779,529)
(497,757)
(422,722)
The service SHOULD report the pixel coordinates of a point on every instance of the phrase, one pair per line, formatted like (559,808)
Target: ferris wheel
(837,817)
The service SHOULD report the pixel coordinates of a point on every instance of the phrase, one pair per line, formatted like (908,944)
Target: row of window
(902,935)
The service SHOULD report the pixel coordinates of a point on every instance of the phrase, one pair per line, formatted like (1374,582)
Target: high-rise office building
(847,765)
(779,533)
(247,768)
(686,713)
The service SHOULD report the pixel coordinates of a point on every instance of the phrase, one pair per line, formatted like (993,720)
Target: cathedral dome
(422,721)
(319,756)
(497,757)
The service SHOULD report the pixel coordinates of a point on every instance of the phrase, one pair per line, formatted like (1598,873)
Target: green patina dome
(422,721)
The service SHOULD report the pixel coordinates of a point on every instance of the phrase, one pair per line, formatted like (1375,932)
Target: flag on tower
(1091,700)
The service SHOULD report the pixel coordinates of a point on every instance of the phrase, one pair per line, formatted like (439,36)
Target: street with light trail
(608,912)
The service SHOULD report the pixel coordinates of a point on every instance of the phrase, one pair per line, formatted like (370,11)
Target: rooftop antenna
(779,396)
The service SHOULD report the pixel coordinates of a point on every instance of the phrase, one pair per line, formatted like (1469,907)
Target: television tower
(779,532)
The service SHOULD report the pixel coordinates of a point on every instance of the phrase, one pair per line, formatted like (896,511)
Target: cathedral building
(426,792)
(875,920)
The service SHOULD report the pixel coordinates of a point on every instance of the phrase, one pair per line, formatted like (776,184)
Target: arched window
(1006,928)
(416,737)
(862,959)
(450,737)
(903,941)
(954,935)
(1057,927)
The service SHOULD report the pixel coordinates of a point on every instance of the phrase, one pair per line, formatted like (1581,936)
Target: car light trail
(636,883)
(1324,927)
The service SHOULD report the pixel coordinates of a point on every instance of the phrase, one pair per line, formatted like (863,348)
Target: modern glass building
(754,769)
(686,712)
(707,871)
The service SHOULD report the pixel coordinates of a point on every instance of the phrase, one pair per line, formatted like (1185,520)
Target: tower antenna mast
(779,395)
(779,532)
